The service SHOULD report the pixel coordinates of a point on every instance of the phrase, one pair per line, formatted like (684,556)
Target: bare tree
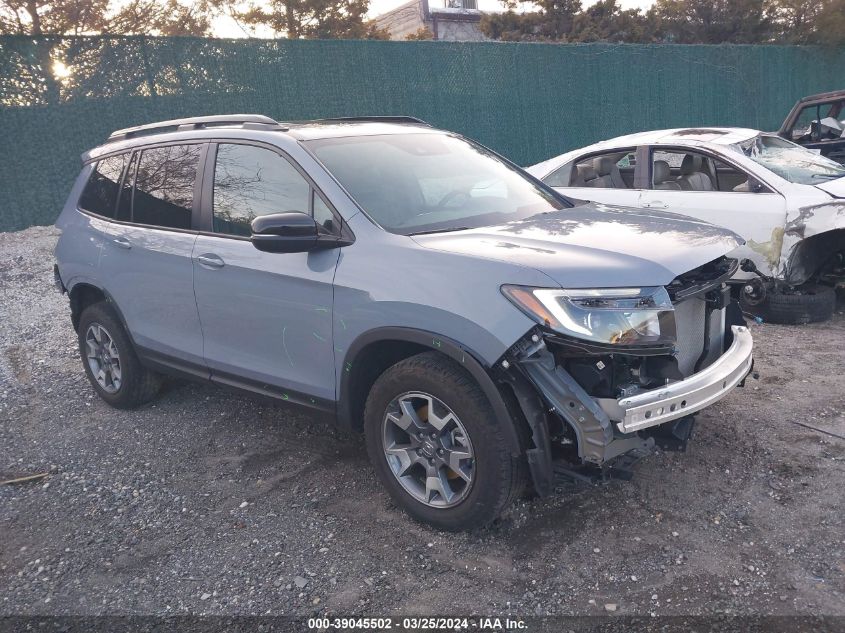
(318,19)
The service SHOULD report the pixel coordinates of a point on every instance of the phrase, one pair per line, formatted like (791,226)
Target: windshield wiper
(446,230)
(831,176)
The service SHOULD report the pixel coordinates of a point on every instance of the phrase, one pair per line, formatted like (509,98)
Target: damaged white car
(788,203)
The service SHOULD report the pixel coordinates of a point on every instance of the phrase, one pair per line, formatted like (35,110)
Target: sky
(224,26)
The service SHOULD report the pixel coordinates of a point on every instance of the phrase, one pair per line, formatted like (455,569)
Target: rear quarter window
(101,191)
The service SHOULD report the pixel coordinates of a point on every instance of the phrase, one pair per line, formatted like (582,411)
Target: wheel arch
(812,253)
(85,293)
(375,350)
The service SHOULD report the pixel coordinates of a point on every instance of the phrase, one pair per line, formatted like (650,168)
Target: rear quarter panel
(80,244)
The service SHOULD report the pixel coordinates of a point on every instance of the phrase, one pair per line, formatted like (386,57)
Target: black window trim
(206,214)
(710,154)
(132,163)
(136,151)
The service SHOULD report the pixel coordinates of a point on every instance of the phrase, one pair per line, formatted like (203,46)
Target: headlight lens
(609,316)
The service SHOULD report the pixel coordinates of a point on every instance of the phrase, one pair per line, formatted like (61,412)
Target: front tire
(810,303)
(110,361)
(436,446)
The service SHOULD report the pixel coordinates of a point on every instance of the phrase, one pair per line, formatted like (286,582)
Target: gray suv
(483,331)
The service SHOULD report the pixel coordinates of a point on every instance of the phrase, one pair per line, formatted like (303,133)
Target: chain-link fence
(61,96)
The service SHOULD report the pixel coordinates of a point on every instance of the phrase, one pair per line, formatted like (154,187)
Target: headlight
(608,316)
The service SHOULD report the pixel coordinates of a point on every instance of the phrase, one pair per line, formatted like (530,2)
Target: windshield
(790,161)
(417,183)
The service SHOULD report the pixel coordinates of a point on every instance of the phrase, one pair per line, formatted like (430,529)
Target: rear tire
(810,303)
(106,349)
(431,382)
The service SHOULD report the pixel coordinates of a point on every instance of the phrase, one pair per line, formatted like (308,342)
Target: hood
(836,188)
(595,245)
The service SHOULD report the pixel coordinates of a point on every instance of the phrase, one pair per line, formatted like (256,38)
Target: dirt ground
(209,502)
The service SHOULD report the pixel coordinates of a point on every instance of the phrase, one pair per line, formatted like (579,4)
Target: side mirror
(289,232)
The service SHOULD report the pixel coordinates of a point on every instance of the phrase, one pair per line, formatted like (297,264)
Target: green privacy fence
(59,97)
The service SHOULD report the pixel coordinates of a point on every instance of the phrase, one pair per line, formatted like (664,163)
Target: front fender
(431,341)
(810,237)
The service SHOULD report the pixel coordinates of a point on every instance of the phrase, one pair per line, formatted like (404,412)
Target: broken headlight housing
(616,317)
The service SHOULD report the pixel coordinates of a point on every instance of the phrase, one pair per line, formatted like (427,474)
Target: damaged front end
(606,372)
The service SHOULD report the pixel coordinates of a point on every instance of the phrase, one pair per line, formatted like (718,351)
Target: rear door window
(100,193)
(164,186)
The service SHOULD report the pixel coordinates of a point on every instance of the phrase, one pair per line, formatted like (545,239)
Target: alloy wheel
(428,449)
(103,358)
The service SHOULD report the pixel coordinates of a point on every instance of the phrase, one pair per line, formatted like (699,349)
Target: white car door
(754,211)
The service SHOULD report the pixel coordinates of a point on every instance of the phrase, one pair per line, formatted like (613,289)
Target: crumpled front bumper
(679,399)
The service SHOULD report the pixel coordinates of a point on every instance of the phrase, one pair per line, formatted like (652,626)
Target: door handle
(210,260)
(122,242)
(656,204)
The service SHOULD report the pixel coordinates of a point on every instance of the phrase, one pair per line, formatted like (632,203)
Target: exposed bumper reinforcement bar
(681,398)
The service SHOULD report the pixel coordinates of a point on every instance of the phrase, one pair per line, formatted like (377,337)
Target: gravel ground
(209,502)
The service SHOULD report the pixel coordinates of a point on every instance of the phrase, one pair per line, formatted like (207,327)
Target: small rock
(244,504)
(205,596)
(675,534)
(596,550)
(610,607)
(300,582)
(634,578)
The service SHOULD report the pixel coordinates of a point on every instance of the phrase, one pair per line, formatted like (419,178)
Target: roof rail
(193,123)
(375,119)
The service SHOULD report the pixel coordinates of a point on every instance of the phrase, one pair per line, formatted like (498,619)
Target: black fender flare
(451,348)
(109,301)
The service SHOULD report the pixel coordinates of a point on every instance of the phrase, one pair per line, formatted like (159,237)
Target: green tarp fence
(61,96)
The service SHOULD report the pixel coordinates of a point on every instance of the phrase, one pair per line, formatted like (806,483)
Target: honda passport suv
(483,331)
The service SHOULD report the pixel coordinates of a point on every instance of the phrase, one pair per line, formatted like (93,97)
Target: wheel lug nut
(419,435)
(419,451)
(440,452)
(433,436)
(431,462)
